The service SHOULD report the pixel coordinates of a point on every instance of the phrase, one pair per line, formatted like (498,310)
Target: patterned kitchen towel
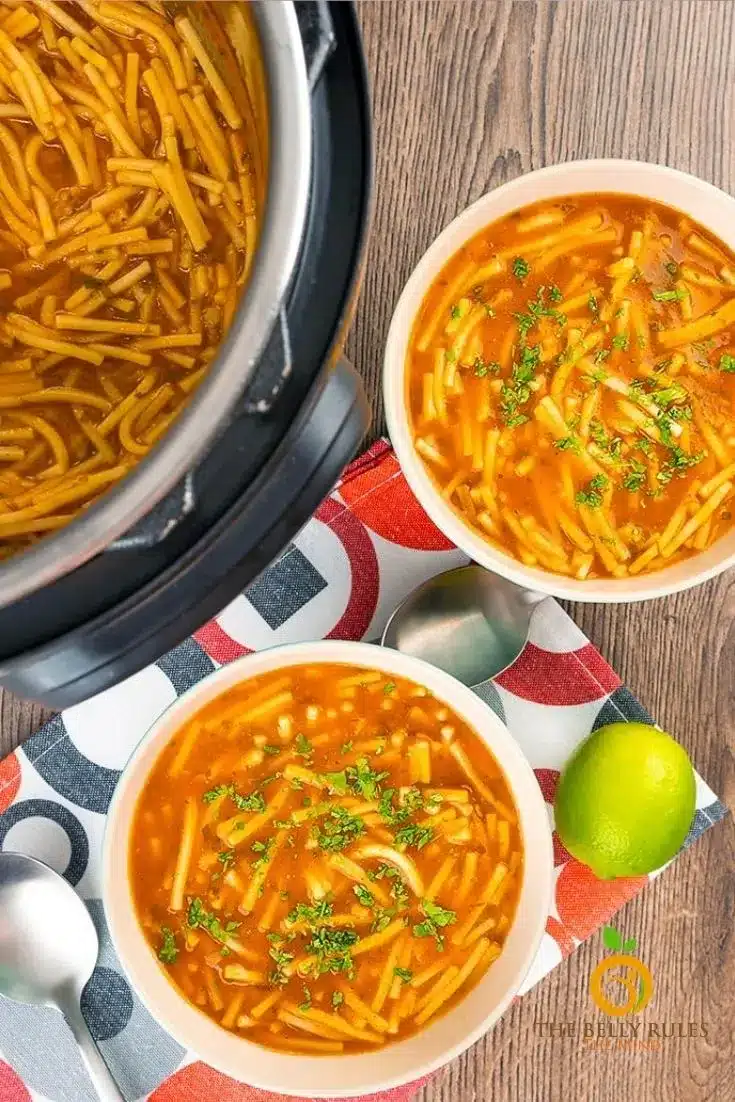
(369,544)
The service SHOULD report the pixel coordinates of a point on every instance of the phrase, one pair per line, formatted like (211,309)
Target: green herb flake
(674,295)
(635,477)
(346,747)
(389,687)
(601,355)
(311,913)
(363,895)
(555,293)
(567,444)
(456,313)
(591,495)
(226,858)
(451,355)
(198,917)
(337,999)
(593,305)
(339,830)
(364,780)
(404,974)
(620,342)
(413,835)
(672,268)
(254,802)
(727,363)
(521,268)
(331,947)
(306,1003)
(272,750)
(302,746)
(435,919)
(168,952)
(337,782)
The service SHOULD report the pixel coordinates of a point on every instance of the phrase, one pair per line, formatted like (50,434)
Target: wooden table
(466,96)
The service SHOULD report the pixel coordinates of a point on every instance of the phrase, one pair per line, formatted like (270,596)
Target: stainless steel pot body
(289,123)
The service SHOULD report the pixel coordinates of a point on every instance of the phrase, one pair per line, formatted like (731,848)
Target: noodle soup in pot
(132,173)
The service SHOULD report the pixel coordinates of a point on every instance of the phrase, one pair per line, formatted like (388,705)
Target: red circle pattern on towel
(9,782)
(12,1089)
(198,1081)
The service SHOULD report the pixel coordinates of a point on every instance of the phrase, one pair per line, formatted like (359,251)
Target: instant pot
(268,432)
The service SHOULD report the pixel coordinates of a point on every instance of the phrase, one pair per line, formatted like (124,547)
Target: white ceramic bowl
(343,1075)
(701,201)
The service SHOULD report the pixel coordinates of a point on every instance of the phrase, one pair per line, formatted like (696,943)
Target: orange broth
(571,385)
(325,858)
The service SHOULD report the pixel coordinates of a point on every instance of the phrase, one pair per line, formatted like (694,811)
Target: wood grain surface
(465,96)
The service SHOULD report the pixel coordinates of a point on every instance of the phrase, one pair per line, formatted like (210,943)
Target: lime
(626,800)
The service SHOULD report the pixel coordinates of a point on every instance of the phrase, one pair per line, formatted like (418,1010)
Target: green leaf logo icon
(611,939)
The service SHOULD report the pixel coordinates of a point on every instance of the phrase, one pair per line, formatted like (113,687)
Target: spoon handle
(105,1086)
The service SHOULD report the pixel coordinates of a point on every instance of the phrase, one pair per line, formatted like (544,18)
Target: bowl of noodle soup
(559,381)
(322,853)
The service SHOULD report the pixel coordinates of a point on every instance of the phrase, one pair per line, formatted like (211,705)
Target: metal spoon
(48,950)
(467,621)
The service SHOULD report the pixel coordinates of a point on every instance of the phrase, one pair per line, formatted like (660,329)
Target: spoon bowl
(468,622)
(48,951)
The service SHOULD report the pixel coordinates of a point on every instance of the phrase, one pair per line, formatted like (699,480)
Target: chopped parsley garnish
(435,919)
(382,920)
(601,355)
(645,445)
(404,974)
(674,295)
(310,913)
(674,393)
(337,999)
(272,750)
(517,392)
(593,305)
(611,444)
(591,495)
(398,889)
(92,283)
(620,341)
(364,780)
(567,443)
(727,363)
(363,895)
(226,858)
(168,951)
(337,782)
(389,687)
(672,268)
(339,830)
(346,747)
(413,835)
(521,268)
(280,959)
(455,312)
(678,463)
(332,948)
(306,1004)
(635,477)
(198,917)
(264,851)
(254,802)
(302,745)
(555,293)
(482,367)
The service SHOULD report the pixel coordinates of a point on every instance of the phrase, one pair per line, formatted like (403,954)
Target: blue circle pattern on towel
(66,819)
